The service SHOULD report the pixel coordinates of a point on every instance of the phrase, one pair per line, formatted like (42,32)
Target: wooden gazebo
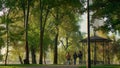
(95,39)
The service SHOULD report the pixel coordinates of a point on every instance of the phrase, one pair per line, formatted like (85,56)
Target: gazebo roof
(96,39)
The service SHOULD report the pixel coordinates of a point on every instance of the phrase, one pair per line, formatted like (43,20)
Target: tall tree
(56,40)
(6,20)
(25,4)
(53,12)
(26,60)
(50,6)
(33,38)
(8,8)
(109,11)
(60,13)
(44,11)
(41,34)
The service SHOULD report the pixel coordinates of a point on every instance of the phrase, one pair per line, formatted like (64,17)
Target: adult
(80,57)
(68,57)
(75,57)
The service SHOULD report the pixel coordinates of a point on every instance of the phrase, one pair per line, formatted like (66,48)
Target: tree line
(38,24)
(34,26)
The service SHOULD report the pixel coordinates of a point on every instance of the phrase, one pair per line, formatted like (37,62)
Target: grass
(17,65)
(9,67)
(103,66)
(25,65)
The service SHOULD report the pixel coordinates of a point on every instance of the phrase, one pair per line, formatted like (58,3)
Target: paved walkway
(55,66)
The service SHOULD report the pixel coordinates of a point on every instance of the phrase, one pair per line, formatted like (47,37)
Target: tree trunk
(7,38)
(56,49)
(33,55)
(41,47)
(7,49)
(56,38)
(26,60)
(44,58)
(41,35)
(66,43)
(20,59)
(42,27)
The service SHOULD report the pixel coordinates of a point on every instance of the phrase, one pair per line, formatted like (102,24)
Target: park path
(54,66)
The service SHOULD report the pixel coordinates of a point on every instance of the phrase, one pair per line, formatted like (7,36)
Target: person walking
(75,57)
(80,57)
(68,57)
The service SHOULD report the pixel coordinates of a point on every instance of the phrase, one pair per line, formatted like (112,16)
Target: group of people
(75,56)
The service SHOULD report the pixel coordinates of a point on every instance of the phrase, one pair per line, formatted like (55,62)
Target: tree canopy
(108,10)
(37,26)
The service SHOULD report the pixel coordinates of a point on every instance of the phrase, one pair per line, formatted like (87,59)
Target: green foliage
(1,43)
(33,36)
(61,14)
(116,49)
(109,10)
(2,33)
(1,57)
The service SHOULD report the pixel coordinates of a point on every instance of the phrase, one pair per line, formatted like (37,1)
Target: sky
(83,23)
(1,13)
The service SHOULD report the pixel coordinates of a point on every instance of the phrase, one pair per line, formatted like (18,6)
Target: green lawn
(97,66)
(9,67)
(103,66)
(17,65)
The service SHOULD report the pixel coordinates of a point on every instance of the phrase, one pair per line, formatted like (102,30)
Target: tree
(26,9)
(33,38)
(108,11)
(26,60)
(104,10)
(16,32)
(2,32)
(44,9)
(6,20)
(12,6)
(7,9)
(62,12)
(41,17)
